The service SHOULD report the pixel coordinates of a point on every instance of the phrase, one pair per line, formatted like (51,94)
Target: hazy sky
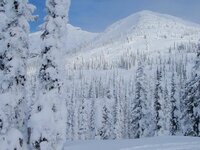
(96,15)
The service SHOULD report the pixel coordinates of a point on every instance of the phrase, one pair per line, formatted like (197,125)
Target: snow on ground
(156,143)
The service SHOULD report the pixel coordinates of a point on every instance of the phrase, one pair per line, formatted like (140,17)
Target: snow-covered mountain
(144,31)
(151,25)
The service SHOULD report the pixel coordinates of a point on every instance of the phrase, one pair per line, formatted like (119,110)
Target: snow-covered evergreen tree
(174,109)
(191,111)
(13,140)
(139,119)
(158,99)
(70,115)
(83,120)
(126,112)
(92,119)
(3,66)
(119,120)
(14,50)
(106,131)
(166,110)
(48,120)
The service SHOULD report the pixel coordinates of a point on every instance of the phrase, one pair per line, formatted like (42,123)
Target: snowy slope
(157,143)
(151,25)
(147,32)
(76,37)
(147,22)
(144,31)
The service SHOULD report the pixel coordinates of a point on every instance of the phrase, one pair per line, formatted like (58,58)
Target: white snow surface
(76,37)
(156,143)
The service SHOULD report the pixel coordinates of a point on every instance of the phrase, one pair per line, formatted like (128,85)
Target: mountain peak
(150,23)
(147,15)
(146,12)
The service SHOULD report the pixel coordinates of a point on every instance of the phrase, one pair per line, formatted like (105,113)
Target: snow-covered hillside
(152,25)
(78,37)
(144,31)
(75,39)
(157,143)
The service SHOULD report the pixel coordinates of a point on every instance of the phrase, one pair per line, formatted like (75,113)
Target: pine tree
(191,98)
(139,113)
(174,111)
(166,110)
(106,130)
(126,112)
(14,52)
(83,120)
(119,120)
(51,104)
(4,67)
(158,98)
(92,124)
(13,140)
(71,114)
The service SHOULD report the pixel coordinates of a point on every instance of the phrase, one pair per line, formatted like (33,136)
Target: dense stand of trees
(128,103)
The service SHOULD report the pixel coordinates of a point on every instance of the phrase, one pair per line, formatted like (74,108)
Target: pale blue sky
(96,15)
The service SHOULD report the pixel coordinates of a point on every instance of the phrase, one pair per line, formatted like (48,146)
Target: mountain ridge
(144,21)
(141,26)
(144,30)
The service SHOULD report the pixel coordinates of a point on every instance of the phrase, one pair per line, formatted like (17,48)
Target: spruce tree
(48,120)
(4,67)
(139,112)
(92,118)
(158,98)
(14,52)
(119,120)
(174,110)
(83,120)
(166,110)
(70,114)
(191,98)
(106,130)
